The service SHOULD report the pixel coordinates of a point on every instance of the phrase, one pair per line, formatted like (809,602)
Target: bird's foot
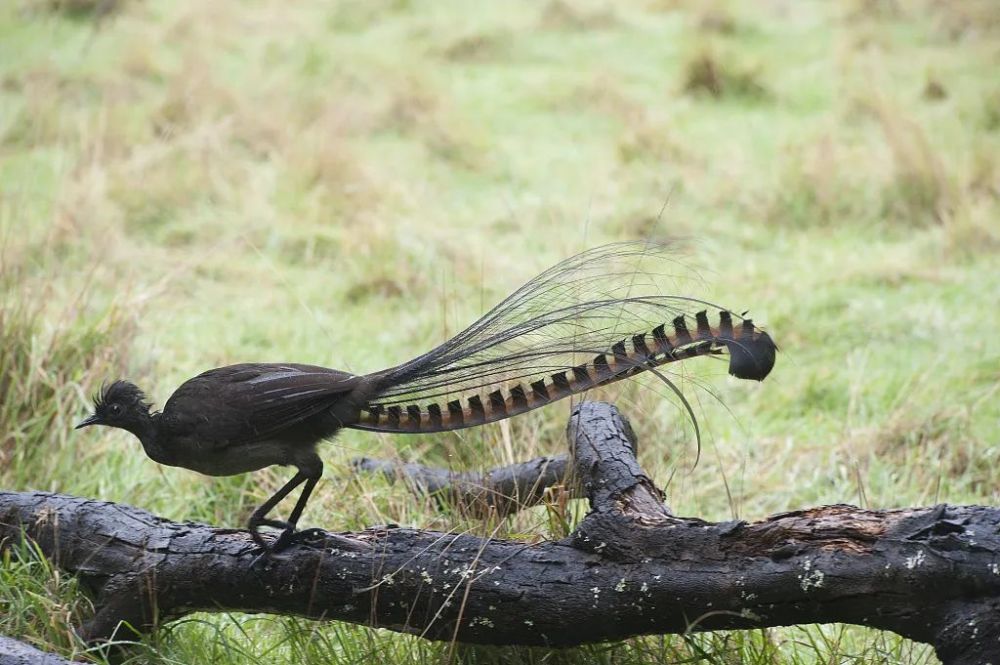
(256,523)
(268,549)
(291,537)
(285,539)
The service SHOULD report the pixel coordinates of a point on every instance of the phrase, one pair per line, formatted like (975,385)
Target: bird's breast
(231,459)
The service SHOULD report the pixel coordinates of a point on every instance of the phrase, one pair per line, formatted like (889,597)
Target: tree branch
(502,491)
(630,568)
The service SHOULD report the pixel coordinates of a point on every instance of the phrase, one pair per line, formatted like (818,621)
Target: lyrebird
(582,323)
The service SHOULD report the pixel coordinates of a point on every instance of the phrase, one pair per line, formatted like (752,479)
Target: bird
(593,319)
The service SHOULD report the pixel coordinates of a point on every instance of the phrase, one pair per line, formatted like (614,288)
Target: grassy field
(188,184)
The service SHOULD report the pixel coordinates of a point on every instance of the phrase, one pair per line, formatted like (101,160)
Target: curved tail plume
(595,318)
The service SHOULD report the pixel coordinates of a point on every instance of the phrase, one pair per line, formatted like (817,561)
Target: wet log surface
(630,567)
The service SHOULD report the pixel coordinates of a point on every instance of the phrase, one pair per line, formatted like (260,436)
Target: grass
(187,184)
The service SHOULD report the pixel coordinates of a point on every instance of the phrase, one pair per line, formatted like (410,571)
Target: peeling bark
(630,568)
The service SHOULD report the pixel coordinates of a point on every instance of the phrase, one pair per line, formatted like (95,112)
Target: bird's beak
(91,420)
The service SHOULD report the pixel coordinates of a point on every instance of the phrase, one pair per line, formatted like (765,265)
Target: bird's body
(245,417)
(543,343)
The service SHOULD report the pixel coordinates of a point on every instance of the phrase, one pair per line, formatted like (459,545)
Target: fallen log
(630,568)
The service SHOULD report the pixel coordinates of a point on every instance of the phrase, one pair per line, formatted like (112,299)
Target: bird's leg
(300,505)
(287,536)
(258,519)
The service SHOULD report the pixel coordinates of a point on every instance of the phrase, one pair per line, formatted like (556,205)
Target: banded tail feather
(751,356)
(593,319)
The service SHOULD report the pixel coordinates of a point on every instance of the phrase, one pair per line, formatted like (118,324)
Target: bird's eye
(116,409)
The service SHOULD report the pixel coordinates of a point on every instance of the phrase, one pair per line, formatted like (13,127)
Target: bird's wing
(251,402)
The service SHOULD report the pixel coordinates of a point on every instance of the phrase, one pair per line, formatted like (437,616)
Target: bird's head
(120,404)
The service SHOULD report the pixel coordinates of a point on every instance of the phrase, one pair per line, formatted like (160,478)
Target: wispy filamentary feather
(594,318)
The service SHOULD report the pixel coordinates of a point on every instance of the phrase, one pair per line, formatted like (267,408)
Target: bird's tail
(583,323)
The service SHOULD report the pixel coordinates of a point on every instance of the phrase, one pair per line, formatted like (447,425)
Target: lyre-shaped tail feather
(751,356)
(581,324)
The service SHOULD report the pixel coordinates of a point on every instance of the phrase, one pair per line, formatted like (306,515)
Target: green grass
(187,184)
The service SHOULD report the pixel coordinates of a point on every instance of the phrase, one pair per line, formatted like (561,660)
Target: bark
(630,568)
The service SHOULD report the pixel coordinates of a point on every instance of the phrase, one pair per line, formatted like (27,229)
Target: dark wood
(630,568)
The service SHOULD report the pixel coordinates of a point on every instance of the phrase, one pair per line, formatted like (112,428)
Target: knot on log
(622,497)
(604,452)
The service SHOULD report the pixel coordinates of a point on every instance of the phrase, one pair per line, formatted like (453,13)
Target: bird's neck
(146,430)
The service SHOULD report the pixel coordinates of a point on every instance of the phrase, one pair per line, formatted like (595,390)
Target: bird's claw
(284,540)
(291,537)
